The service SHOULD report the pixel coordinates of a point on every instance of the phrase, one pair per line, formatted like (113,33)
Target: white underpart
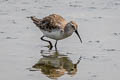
(55,34)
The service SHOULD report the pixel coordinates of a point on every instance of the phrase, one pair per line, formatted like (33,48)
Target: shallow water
(54,64)
(21,48)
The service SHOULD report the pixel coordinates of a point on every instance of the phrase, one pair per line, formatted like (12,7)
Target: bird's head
(74,26)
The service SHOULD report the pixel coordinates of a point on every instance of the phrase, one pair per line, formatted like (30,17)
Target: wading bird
(55,27)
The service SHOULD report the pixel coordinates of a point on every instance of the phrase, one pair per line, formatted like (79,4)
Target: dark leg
(56,45)
(47,41)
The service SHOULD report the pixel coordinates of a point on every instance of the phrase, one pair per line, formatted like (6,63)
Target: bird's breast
(55,34)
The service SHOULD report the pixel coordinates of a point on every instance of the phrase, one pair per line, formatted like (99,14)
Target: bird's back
(50,22)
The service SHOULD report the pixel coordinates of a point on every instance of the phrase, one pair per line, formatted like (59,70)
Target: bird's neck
(68,30)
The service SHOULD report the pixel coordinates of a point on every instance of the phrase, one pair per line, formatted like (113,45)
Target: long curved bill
(78,35)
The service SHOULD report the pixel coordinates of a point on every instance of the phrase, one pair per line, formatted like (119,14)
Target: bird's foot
(49,46)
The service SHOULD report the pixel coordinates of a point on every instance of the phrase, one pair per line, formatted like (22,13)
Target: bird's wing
(53,21)
(35,20)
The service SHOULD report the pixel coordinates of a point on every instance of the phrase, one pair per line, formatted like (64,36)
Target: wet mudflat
(24,57)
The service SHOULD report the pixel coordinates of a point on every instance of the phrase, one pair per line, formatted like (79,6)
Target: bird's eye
(73,26)
(71,69)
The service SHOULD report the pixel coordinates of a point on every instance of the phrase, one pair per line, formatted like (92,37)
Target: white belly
(55,34)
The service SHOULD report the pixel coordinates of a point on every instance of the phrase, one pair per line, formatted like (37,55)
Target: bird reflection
(54,65)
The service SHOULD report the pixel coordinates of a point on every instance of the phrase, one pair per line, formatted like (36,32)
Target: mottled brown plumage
(50,22)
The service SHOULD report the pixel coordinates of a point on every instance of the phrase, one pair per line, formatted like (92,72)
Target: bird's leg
(56,45)
(51,46)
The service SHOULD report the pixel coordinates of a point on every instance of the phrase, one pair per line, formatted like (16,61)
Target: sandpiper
(55,27)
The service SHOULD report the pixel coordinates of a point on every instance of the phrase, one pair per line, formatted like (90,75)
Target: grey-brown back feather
(50,22)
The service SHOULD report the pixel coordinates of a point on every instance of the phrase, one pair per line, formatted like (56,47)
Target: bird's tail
(35,20)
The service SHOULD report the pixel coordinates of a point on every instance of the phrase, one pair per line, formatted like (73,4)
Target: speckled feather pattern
(50,22)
